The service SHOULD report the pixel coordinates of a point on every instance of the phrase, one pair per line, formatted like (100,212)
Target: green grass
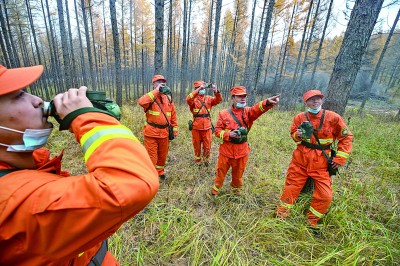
(185,225)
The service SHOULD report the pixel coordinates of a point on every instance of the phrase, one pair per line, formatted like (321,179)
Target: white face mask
(202,92)
(314,111)
(33,139)
(240,105)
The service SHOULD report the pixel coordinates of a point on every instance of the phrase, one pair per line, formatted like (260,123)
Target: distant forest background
(269,46)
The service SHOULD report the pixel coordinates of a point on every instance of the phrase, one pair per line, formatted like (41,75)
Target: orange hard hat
(240,90)
(14,79)
(312,93)
(158,77)
(198,83)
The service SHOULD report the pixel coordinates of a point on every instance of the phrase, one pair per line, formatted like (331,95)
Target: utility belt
(316,146)
(157,125)
(97,260)
(202,115)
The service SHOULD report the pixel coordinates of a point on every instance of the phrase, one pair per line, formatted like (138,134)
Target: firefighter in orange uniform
(160,114)
(200,106)
(51,218)
(309,160)
(232,127)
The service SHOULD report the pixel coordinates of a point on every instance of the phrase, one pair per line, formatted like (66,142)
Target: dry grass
(185,225)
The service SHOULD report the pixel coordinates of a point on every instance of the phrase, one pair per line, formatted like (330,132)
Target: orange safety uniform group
(200,106)
(308,161)
(50,218)
(160,113)
(232,154)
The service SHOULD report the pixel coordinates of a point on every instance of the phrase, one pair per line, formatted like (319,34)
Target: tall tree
(88,45)
(362,21)
(71,47)
(246,76)
(215,43)
(321,41)
(64,44)
(83,68)
(159,38)
(378,65)
(117,53)
(184,54)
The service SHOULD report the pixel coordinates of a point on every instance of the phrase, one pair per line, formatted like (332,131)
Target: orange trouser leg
(206,136)
(322,196)
(196,140)
(157,148)
(238,167)
(296,177)
(222,168)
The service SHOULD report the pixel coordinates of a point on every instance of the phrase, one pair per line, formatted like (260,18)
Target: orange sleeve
(345,140)
(75,213)
(216,99)
(148,98)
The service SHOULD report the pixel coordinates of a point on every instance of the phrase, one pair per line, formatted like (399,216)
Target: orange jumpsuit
(155,130)
(201,132)
(311,162)
(231,154)
(50,218)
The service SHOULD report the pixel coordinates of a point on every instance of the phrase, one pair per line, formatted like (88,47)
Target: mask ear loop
(10,129)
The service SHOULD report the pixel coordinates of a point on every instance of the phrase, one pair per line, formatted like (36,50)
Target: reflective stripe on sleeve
(215,188)
(151,95)
(342,154)
(191,95)
(168,113)
(260,106)
(92,139)
(159,166)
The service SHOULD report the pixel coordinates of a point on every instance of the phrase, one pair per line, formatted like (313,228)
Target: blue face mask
(202,92)
(314,111)
(240,105)
(33,139)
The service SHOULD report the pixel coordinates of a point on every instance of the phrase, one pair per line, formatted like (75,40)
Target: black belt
(316,146)
(157,125)
(97,260)
(202,115)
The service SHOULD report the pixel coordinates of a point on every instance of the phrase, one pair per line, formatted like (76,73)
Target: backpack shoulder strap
(235,118)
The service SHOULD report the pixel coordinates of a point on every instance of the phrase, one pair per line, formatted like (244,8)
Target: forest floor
(185,225)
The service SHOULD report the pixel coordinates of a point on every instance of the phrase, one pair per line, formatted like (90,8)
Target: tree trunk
(246,75)
(321,42)
(184,54)
(362,21)
(88,46)
(159,36)
(310,38)
(71,46)
(378,65)
(215,43)
(64,45)
(296,70)
(117,53)
(83,67)
(206,75)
